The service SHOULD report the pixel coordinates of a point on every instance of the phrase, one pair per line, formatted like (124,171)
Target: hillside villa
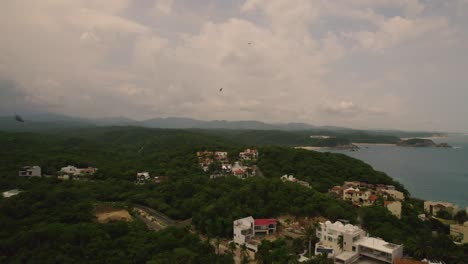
(249,154)
(30,171)
(75,173)
(248,231)
(142,177)
(364,194)
(291,178)
(459,233)
(432,208)
(347,243)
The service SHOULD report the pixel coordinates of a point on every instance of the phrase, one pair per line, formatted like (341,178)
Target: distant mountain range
(47,121)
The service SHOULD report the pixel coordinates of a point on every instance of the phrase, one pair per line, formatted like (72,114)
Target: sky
(386,64)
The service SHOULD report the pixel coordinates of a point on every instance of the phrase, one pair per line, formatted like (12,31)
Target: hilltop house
(249,154)
(357,196)
(347,243)
(248,228)
(30,171)
(221,155)
(291,178)
(76,172)
(142,176)
(432,208)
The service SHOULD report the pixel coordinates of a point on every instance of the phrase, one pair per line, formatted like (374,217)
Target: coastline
(374,144)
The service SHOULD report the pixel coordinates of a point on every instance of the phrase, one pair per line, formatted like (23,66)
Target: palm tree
(310,235)
(244,256)
(340,241)
(232,247)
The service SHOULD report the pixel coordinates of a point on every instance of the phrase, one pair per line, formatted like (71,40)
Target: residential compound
(249,231)
(432,208)
(238,168)
(347,243)
(364,194)
(249,154)
(459,233)
(291,178)
(30,171)
(145,177)
(76,173)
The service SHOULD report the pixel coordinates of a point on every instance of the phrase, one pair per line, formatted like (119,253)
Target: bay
(437,174)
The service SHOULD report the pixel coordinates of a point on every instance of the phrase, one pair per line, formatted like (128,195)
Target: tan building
(394,207)
(432,208)
(459,233)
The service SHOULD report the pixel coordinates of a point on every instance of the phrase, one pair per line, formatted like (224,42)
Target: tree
(340,241)
(461,216)
(232,247)
(244,255)
(310,235)
(444,214)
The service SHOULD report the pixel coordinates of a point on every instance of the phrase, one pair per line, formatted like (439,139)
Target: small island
(419,142)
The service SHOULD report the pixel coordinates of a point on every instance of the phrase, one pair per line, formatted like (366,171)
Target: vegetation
(53,220)
(321,170)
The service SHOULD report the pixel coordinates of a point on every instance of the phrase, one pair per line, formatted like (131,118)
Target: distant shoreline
(374,144)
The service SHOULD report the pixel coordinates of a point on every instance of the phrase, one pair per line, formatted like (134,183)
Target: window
(354,249)
(330,239)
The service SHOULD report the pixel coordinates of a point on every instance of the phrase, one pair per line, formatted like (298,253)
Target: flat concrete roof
(377,244)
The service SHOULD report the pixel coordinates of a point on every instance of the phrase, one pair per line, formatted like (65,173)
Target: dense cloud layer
(361,63)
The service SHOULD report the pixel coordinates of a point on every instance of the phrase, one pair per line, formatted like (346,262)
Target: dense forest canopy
(52,219)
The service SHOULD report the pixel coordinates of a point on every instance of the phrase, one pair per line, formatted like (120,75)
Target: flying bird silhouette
(19,118)
(220,89)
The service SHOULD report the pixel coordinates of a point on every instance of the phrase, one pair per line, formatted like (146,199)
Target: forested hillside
(52,219)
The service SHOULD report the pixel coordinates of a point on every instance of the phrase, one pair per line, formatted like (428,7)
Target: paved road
(157,220)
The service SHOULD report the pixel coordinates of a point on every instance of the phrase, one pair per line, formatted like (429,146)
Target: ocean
(437,174)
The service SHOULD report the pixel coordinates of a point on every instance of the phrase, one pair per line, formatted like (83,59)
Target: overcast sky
(399,64)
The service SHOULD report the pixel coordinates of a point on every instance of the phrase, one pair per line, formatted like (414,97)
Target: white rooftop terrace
(378,244)
(339,227)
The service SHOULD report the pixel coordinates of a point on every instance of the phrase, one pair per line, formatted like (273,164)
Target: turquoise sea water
(439,174)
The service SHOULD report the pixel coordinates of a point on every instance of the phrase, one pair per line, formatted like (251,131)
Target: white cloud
(277,60)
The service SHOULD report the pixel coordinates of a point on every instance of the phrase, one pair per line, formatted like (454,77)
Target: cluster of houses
(238,168)
(291,178)
(458,232)
(365,194)
(345,243)
(145,177)
(65,173)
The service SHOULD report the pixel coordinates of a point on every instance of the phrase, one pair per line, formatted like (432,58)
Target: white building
(291,178)
(246,229)
(221,155)
(142,176)
(72,170)
(249,154)
(347,243)
(30,171)
(10,193)
(394,207)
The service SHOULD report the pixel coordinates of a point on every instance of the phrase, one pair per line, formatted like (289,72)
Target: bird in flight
(19,118)
(220,89)
(250,43)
